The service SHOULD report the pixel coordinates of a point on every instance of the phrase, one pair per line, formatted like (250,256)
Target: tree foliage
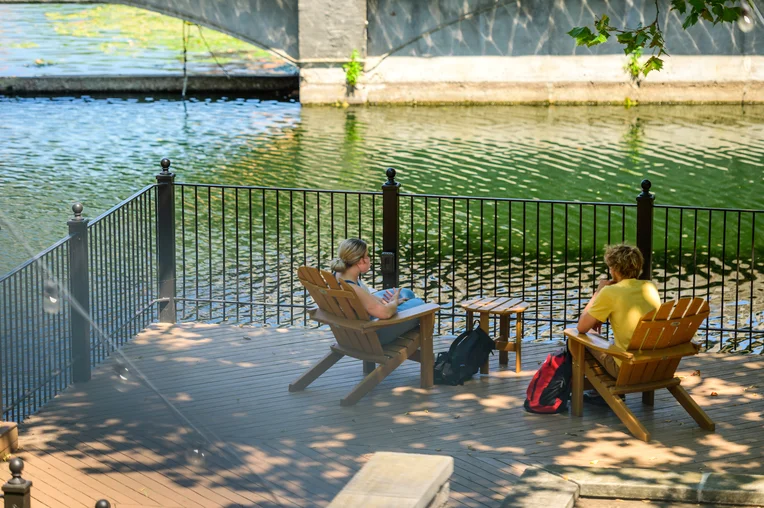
(649,38)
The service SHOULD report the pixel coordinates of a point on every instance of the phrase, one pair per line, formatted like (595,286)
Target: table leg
(484,325)
(470,317)
(519,342)
(504,337)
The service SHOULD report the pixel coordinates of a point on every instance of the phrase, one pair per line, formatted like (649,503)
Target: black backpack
(467,354)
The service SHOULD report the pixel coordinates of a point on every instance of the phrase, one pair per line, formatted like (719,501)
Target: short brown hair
(625,259)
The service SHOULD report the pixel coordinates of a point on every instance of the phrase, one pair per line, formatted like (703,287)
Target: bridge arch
(269,24)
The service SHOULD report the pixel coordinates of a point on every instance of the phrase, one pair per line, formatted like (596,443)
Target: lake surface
(72,39)
(55,151)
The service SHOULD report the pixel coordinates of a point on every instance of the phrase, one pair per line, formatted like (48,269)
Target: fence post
(17,490)
(390,190)
(645,202)
(166,242)
(79,292)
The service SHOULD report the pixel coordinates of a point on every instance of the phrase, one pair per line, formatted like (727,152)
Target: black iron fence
(238,248)
(71,305)
(179,251)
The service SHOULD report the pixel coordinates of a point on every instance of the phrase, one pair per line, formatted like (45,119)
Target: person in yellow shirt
(623,300)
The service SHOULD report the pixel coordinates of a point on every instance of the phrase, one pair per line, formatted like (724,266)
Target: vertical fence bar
(166,242)
(80,295)
(390,264)
(645,204)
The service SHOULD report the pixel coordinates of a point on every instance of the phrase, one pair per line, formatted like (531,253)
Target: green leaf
(698,5)
(731,14)
(707,15)
(582,34)
(679,5)
(653,64)
(625,37)
(718,10)
(602,37)
(640,39)
(602,24)
(690,20)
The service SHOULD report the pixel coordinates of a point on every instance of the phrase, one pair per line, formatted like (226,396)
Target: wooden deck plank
(305,447)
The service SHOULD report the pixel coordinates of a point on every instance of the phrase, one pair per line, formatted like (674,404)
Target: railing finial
(102,503)
(16,466)
(165,163)
(77,209)
(646,184)
(390,176)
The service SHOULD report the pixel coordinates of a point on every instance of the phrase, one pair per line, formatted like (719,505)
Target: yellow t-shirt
(624,304)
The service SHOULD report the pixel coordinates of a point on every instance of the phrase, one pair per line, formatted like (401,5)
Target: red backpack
(549,391)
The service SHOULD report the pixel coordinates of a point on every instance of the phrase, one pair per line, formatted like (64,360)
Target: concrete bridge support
(329,31)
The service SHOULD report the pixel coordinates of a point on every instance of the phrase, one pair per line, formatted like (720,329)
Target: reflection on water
(99,151)
(63,39)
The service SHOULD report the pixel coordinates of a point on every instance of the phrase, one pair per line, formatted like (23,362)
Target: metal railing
(71,305)
(224,253)
(239,247)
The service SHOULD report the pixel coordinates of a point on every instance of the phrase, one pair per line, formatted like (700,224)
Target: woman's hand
(390,294)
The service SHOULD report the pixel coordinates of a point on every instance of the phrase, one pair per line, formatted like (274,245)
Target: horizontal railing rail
(71,305)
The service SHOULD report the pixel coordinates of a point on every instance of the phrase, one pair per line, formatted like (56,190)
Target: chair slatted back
(674,323)
(340,299)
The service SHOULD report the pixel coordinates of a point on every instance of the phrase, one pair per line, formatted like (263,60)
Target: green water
(99,151)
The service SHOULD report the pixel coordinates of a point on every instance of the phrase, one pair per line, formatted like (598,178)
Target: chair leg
(578,352)
(426,354)
(700,416)
(319,368)
(618,405)
(648,398)
(373,379)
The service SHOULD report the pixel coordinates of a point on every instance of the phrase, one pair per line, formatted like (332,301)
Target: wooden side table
(503,307)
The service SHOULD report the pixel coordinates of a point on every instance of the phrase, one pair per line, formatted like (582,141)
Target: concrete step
(9,438)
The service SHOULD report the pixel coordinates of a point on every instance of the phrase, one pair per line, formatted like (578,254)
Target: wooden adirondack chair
(662,338)
(340,308)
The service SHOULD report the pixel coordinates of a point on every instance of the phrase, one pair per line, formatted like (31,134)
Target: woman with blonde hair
(623,299)
(351,262)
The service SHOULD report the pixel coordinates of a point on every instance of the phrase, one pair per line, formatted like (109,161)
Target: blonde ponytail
(349,253)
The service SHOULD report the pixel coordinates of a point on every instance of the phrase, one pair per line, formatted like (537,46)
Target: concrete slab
(398,480)
(538,488)
(653,484)
(736,489)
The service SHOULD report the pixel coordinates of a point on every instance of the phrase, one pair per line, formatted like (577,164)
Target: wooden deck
(117,439)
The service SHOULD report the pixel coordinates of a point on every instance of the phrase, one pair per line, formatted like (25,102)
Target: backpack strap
(461,338)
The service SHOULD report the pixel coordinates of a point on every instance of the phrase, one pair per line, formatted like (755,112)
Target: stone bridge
(479,50)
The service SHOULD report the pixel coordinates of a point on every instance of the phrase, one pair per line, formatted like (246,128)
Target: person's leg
(607,362)
(391,333)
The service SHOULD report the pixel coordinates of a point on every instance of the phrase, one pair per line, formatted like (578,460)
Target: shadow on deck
(116,438)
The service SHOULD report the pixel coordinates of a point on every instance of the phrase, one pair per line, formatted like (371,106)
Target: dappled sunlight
(496,402)
(304,444)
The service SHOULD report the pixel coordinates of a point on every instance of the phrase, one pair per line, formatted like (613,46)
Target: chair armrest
(598,343)
(400,317)
(330,319)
